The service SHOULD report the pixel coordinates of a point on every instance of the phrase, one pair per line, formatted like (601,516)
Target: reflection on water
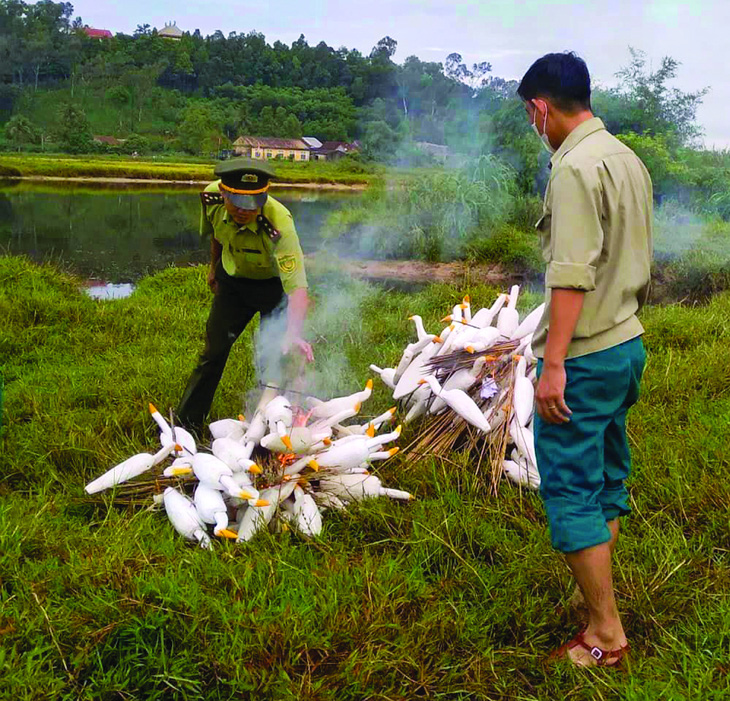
(110,291)
(120,233)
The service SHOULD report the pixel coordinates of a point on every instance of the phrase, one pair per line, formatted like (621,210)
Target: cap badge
(250,178)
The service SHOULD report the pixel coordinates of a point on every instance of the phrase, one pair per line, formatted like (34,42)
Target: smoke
(433,216)
(678,232)
(334,321)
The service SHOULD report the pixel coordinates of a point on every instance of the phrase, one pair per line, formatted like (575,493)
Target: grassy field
(454,596)
(66,166)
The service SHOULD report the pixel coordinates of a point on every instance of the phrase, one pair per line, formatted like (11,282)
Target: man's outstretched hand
(298,345)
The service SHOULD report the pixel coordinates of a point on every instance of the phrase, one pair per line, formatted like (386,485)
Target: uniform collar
(584,129)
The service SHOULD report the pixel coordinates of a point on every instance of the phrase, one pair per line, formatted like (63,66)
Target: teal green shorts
(583,464)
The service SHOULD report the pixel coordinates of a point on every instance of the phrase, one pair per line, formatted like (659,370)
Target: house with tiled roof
(266,148)
(334,150)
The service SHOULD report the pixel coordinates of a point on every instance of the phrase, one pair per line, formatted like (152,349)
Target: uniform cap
(244,182)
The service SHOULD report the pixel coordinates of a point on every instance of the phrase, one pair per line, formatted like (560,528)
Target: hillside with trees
(60,87)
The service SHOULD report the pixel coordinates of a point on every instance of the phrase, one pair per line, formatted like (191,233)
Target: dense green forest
(59,87)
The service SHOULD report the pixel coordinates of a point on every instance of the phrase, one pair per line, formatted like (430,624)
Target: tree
(292,127)
(20,131)
(200,132)
(644,103)
(665,170)
(73,131)
(119,97)
(474,77)
(379,141)
(385,49)
(507,134)
(267,121)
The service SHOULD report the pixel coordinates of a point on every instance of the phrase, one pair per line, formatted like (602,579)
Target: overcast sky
(510,34)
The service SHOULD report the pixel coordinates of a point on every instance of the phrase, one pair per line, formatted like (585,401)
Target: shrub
(135,144)
(510,246)
(431,216)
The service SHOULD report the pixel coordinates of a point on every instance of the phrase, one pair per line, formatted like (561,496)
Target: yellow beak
(179,471)
(225,533)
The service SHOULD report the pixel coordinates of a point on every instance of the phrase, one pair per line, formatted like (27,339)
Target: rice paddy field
(67,166)
(456,595)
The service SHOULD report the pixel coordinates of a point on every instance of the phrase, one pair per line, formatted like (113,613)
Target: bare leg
(577,600)
(592,571)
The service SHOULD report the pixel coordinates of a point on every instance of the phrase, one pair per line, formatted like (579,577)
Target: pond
(118,234)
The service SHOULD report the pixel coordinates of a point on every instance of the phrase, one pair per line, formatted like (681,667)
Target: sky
(510,34)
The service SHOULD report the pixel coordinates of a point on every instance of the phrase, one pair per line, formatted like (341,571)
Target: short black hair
(563,78)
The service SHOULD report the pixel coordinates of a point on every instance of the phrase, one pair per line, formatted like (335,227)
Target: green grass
(442,215)
(455,596)
(87,166)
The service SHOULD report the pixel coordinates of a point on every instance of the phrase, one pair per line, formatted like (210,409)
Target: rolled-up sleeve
(576,233)
(289,256)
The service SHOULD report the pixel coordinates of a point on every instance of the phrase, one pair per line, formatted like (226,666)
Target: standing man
(596,240)
(256,261)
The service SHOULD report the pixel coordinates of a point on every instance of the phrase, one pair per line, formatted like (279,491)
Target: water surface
(119,233)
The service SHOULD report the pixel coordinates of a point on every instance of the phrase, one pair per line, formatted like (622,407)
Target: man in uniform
(596,238)
(256,261)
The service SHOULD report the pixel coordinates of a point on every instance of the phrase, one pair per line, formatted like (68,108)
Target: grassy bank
(66,166)
(456,596)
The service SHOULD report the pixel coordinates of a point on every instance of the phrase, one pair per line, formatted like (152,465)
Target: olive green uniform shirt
(250,253)
(597,236)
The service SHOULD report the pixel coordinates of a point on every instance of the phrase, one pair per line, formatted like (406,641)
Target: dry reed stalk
(443,433)
(139,492)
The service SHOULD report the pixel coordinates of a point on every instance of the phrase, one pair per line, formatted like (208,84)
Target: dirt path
(413,271)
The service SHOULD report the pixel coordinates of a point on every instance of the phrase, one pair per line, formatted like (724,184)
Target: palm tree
(20,130)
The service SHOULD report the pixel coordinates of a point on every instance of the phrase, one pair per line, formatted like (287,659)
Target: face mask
(543,137)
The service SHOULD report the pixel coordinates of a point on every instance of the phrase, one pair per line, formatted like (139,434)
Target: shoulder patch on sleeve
(287,263)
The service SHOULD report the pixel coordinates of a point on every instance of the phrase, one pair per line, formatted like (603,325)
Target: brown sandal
(603,658)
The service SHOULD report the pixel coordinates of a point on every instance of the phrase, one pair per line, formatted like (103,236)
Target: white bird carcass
(358,487)
(132,467)
(184,517)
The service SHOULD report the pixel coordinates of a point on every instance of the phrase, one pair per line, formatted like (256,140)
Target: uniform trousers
(235,303)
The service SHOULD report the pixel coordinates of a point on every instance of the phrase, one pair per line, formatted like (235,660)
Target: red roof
(97,33)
